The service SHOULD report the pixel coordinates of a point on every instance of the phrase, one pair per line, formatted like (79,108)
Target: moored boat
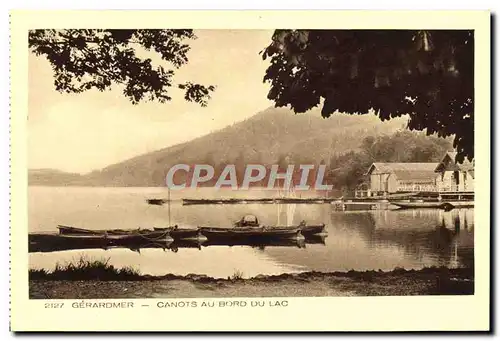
(156,201)
(249,227)
(132,238)
(181,233)
(434,204)
(458,204)
(260,233)
(54,242)
(186,201)
(308,230)
(225,201)
(69,230)
(145,234)
(299,243)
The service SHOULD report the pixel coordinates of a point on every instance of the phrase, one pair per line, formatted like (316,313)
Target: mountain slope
(263,138)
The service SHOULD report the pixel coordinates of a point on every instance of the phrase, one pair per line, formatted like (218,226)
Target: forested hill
(265,138)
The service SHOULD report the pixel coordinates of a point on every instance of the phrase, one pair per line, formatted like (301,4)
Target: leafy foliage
(85,59)
(346,171)
(426,74)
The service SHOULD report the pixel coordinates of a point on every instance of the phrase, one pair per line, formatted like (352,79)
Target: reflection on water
(377,239)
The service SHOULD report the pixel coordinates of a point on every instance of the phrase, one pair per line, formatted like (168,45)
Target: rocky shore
(398,282)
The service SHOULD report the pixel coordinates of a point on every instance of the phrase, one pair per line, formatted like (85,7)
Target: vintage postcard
(250,170)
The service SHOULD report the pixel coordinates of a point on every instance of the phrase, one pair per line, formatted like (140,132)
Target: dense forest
(346,171)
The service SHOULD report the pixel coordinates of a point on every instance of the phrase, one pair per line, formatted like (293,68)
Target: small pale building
(446,176)
(454,177)
(401,177)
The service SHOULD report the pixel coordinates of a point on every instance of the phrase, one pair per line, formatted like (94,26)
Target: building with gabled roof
(401,177)
(407,177)
(454,176)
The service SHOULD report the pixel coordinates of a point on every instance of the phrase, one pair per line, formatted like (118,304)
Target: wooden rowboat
(53,242)
(69,231)
(130,238)
(448,205)
(308,230)
(225,201)
(261,233)
(156,201)
(181,233)
(174,232)
(298,243)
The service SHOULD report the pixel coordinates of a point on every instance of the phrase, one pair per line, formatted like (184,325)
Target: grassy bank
(98,279)
(86,269)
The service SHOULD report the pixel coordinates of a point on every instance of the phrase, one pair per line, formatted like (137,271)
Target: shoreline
(397,282)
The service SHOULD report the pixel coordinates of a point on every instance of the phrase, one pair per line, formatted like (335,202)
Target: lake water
(360,240)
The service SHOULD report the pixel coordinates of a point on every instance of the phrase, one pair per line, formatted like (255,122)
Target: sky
(88,131)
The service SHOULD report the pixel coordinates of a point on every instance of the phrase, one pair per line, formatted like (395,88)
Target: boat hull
(52,242)
(68,230)
(261,244)
(180,234)
(439,205)
(158,202)
(226,201)
(310,230)
(254,234)
(461,204)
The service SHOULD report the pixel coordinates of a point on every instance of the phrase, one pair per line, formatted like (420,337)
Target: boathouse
(387,178)
(453,176)
(446,176)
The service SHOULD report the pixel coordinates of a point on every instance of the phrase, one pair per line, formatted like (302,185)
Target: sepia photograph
(188,163)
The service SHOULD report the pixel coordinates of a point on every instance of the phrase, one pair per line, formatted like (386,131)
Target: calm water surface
(360,240)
